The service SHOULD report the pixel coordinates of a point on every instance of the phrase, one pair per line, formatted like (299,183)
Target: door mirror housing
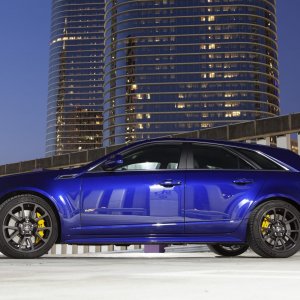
(113,162)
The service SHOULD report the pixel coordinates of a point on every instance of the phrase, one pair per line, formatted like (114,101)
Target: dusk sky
(24,54)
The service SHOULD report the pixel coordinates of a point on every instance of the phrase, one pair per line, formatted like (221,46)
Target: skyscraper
(75,97)
(176,65)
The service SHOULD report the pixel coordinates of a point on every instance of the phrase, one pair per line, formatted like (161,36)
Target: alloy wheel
(280,229)
(274,229)
(29,227)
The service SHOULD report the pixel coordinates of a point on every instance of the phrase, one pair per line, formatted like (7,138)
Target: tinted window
(209,157)
(260,160)
(152,158)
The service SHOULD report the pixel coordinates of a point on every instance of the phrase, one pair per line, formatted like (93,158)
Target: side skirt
(106,240)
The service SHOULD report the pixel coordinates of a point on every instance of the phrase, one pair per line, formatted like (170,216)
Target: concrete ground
(150,276)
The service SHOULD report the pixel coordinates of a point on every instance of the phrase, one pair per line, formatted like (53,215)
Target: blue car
(171,191)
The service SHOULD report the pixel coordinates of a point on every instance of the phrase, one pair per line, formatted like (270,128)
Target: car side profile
(172,191)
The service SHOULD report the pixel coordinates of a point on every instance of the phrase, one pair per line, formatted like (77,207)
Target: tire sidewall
(220,250)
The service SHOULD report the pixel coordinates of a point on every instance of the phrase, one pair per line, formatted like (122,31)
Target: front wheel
(28,227)
(228,250)
(274,229)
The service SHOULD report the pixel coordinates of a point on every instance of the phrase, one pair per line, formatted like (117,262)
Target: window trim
(234,150)
(258,167)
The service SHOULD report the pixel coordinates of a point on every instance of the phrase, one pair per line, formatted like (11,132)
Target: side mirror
(113,162)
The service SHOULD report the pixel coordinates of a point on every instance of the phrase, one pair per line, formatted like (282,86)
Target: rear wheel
(274,229)
(28,227)
(228,250)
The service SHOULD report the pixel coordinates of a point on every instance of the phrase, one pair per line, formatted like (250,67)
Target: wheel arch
(287,199)
(41,195)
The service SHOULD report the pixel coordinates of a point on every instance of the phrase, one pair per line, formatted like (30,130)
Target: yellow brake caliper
(41,224)
(265,223)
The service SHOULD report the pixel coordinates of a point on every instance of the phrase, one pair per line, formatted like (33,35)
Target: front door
(144,195)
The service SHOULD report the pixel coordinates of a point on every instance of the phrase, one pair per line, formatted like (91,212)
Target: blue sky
(24,53)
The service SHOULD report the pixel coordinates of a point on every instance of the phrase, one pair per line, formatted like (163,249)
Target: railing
(80,249)
(283,131)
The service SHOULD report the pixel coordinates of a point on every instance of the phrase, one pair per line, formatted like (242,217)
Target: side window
(156,157)
(260,160)
(210,157)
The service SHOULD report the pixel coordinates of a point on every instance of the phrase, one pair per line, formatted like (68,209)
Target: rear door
(220,187)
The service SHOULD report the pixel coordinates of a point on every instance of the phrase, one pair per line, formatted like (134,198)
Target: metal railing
(84,249)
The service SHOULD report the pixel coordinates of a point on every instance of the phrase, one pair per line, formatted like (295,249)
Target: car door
(220,186)
(145,194)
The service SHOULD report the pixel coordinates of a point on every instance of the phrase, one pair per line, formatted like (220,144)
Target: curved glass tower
(176,65)
(75,97)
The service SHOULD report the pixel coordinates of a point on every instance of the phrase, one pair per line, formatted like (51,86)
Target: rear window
(260,160)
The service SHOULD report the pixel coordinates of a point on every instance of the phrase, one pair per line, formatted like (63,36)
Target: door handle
(242,181)
(169,183)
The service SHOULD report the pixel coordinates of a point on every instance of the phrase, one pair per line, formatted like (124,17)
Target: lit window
(230,75)
(180,105)
(236,113)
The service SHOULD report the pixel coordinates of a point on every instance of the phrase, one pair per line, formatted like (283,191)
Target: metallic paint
(132,207)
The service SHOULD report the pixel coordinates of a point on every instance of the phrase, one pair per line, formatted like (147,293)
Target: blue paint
(182,205)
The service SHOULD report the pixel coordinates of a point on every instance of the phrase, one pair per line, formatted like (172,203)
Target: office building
(75,100)
(175,65)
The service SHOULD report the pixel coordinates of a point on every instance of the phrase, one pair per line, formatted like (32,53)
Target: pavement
(150,276)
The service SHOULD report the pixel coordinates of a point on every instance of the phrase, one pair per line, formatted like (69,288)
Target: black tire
(28,227)
(228,250)
(274,229)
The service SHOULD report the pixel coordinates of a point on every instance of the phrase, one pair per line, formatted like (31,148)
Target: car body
(156,191)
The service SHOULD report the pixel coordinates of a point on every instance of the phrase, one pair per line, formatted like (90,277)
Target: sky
(24,58)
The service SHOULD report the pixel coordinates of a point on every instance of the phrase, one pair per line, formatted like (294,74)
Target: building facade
(175,65)
(75,100)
